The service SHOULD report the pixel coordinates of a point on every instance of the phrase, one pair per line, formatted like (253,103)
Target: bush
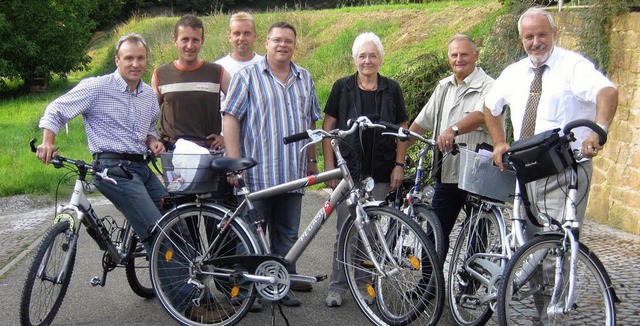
(419,78)
(44,38)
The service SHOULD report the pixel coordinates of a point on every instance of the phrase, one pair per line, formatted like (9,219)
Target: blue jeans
(281,214)
(447,202)
(137,199)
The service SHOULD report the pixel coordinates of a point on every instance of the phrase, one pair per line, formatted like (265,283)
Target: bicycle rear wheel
(137,270)
(426,217)
(189,287)
(47,282)
(411,288)
(480,233)
(529,282)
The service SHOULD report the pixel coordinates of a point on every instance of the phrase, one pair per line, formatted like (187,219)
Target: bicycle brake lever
(102,176)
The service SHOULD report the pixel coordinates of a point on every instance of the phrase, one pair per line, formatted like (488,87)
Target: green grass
(323,47)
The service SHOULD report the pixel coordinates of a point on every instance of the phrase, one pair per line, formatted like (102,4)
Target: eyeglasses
(278,40)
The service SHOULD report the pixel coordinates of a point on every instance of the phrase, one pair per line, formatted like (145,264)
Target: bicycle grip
(295,138)
(389,125)
(32,143)
(589,124)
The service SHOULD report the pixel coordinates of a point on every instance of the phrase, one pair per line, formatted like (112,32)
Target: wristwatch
(402,165)
(455,129)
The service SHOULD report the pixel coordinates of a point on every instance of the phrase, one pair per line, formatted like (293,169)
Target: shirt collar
(123,86)
(265,67)
(467,81)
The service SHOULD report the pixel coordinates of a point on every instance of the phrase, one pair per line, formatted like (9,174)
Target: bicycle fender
(374,203)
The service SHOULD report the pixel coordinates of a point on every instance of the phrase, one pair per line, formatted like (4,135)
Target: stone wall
(615,189)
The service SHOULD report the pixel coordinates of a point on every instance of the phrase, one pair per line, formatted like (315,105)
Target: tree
(44,38)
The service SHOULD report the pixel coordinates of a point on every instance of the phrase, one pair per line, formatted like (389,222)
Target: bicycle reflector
(168,256)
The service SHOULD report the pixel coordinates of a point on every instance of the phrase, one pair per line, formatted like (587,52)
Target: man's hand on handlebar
(591,146)
(499,150)
(46,152)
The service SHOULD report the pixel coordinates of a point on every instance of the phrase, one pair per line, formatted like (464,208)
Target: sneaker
(290,300)
(334,299)
(301,286)
(256,306)
(210,313)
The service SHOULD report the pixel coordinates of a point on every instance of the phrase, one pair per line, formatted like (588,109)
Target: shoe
(209,313)
(301,286)
(290,300)
(334,299)
(256,306)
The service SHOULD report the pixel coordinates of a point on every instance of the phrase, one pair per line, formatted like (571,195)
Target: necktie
(529,121)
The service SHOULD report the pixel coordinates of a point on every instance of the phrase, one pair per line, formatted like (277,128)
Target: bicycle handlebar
(58,162)
(316,135)
(589,124)
(295,138)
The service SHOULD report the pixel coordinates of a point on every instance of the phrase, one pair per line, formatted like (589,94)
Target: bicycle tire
(428,220)
(137,270)
(594,297)
(465,292)
(176,263)
(42,297)
(415,293)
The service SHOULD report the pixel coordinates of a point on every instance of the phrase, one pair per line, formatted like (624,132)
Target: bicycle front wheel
(470,288)
(191,288)
(426,217)
(48,279)
(410,286)
(528,283)
(137,270)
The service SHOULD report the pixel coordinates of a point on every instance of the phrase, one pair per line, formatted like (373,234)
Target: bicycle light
(367,184)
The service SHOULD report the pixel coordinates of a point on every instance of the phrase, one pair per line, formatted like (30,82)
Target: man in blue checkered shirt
(120,113)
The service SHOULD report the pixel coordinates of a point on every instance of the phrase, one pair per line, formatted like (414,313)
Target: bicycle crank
(279,283)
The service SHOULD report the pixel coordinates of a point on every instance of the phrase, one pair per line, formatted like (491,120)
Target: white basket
(196,178)
(478,175)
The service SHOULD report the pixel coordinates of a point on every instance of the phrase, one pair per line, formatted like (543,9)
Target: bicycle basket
(540,156)
(190,173)
(478,175)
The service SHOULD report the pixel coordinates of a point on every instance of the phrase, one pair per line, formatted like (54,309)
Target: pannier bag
(540,156)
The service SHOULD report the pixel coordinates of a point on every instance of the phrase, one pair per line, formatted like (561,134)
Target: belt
(119,156)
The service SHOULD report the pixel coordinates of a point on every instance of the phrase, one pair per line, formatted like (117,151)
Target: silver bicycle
(50,272)
(554,279)
(210,255)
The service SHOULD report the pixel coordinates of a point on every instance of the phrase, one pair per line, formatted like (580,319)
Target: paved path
(21,227)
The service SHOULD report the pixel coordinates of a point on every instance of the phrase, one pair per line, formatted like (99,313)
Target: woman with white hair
(364,93)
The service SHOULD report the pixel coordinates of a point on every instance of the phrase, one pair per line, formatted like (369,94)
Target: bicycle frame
(346,190)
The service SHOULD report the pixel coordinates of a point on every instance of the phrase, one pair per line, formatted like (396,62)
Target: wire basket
(478,175)
(190,173)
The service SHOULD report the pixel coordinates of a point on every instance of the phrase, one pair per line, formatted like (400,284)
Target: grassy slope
(324,48)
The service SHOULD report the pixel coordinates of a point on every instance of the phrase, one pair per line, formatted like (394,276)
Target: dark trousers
(447,202)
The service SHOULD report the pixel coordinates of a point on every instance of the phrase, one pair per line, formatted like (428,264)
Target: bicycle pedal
(321,277)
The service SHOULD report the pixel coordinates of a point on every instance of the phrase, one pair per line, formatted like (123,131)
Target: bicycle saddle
(225,164)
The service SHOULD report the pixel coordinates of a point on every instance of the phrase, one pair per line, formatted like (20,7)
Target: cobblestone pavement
(23,220)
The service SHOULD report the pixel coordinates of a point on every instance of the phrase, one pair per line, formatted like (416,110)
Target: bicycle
(50,272)
(210,255)
(412,198)
(485,242)
(554,276)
